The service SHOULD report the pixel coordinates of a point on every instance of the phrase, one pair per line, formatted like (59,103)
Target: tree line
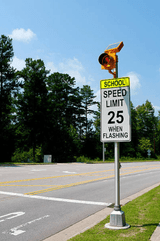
(44,113)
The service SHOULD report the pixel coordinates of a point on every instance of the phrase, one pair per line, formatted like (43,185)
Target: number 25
(119,117)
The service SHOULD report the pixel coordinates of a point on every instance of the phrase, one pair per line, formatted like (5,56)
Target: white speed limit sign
(115,110)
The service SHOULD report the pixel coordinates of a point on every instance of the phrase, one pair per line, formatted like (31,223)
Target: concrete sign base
(117,221)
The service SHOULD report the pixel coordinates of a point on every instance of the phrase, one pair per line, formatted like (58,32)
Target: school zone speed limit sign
(115,110)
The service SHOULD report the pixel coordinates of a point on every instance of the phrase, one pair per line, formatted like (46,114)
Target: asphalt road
(39,201)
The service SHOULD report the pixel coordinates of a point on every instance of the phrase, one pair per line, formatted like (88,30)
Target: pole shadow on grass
(146,225)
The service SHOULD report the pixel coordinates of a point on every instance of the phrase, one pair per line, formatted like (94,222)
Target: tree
(7,86)
(157,136)
(130,148)
(87,133)
(63,112)
(97,150)
(97,120)
(98,147)
(87,103)
(32,105)
(144,146)
(146,121)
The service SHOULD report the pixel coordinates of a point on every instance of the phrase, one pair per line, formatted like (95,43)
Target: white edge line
(56,199)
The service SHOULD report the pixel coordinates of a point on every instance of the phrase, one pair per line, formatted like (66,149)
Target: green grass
(24,163)
(83,159)
(143,214)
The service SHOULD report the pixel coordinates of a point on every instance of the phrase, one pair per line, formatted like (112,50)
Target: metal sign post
(103,152)
(117,217)
(115,120)
(117,206)
(116,127)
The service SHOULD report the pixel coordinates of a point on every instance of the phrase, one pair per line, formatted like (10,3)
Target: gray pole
(103,152)
(117,217)
(117,206)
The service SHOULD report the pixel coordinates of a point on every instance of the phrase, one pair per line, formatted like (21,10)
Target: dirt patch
(133,232)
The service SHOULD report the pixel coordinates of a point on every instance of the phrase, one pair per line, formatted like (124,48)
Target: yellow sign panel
(113,83)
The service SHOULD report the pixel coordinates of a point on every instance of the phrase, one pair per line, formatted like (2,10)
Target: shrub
(82,159)
(24,156)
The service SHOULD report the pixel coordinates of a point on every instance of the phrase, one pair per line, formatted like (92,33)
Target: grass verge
(24,163)
(83,159)
(143,214)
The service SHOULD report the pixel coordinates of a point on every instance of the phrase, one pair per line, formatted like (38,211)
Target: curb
(156,235)
(94,219)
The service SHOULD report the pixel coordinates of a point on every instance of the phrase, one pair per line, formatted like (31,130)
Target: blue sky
(69,36)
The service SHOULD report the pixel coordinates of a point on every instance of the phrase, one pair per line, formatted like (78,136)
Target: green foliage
(87,102)
(63,114)
(146,121)
(87,160)
(32,105)
(144,145)
(145,132)
(82,159)
(27,156)
(7,89)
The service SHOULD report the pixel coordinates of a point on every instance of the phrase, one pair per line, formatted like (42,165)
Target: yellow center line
(43,178)
(85,182)
(72,175)
(17,185)
(67,185)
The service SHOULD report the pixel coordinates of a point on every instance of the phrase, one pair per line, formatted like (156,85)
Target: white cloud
(134,82)
(72,64)
(19,64)
(50,66)
(22,35)
(97,94)
(91,78)
(73,67)
(156,108)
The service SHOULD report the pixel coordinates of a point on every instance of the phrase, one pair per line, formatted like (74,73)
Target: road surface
(41,200)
